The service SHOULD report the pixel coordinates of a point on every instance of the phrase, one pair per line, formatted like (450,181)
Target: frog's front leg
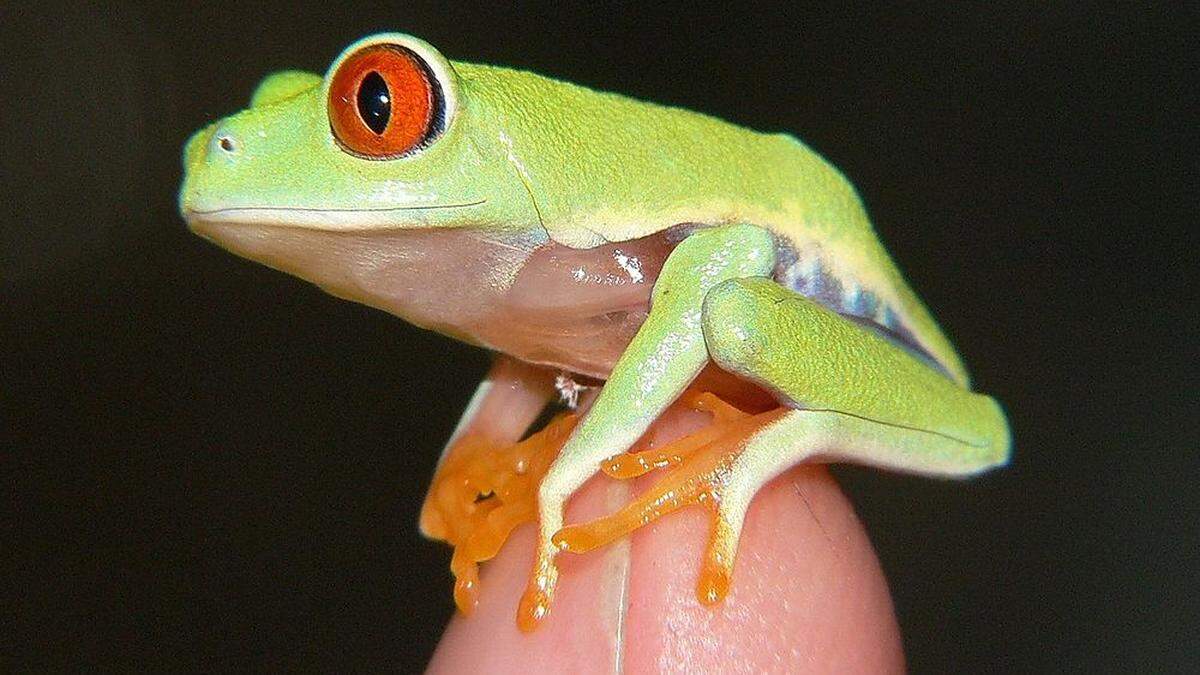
(484,461)
(848,394)
(663,358)
(505,403)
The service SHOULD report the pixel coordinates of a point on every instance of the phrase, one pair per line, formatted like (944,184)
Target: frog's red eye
(383,102)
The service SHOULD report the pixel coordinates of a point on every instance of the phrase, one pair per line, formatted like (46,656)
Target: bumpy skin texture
(517,161)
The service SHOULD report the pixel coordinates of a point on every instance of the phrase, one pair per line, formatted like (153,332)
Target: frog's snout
(216,146)
(221,143)
(220,152)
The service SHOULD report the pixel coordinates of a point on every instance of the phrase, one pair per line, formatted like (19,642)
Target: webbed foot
(704,464)
(481,494)
(485,490)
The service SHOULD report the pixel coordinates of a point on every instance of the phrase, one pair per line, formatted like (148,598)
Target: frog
(600,243)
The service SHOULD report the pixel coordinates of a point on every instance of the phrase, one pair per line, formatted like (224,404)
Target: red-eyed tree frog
(608,239)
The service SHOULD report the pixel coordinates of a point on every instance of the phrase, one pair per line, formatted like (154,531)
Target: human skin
(808,594)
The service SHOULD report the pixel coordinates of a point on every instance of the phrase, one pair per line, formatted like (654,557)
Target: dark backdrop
(211,463)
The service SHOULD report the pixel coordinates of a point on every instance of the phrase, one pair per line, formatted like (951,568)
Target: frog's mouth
(322,218)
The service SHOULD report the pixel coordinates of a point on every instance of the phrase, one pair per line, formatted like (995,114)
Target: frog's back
(604,167)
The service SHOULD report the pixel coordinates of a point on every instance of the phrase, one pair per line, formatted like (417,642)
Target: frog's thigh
(854,396)
(859,397)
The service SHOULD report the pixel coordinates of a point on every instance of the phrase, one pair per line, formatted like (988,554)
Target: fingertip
(580,632)
(807,593)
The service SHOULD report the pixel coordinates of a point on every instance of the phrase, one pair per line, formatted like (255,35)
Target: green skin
(527,158)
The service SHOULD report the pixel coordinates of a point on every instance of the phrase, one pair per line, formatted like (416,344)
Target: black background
(212,464)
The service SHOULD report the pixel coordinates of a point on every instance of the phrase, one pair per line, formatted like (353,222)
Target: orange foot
(703,462)
(481,493)
(484,490)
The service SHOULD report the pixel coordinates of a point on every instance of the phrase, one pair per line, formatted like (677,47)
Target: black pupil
(374,102)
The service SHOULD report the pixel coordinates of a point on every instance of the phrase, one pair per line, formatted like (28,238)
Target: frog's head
(387,140)
(390,181)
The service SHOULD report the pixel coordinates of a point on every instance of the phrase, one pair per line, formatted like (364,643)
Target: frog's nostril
(224,144)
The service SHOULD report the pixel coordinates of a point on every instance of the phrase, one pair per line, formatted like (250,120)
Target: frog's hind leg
(850,395)
(722,475)
(815,360)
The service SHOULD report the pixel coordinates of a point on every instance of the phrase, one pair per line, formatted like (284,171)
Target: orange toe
(638,461)
(699,479)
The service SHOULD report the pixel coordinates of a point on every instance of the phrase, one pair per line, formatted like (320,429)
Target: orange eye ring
(383,102)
